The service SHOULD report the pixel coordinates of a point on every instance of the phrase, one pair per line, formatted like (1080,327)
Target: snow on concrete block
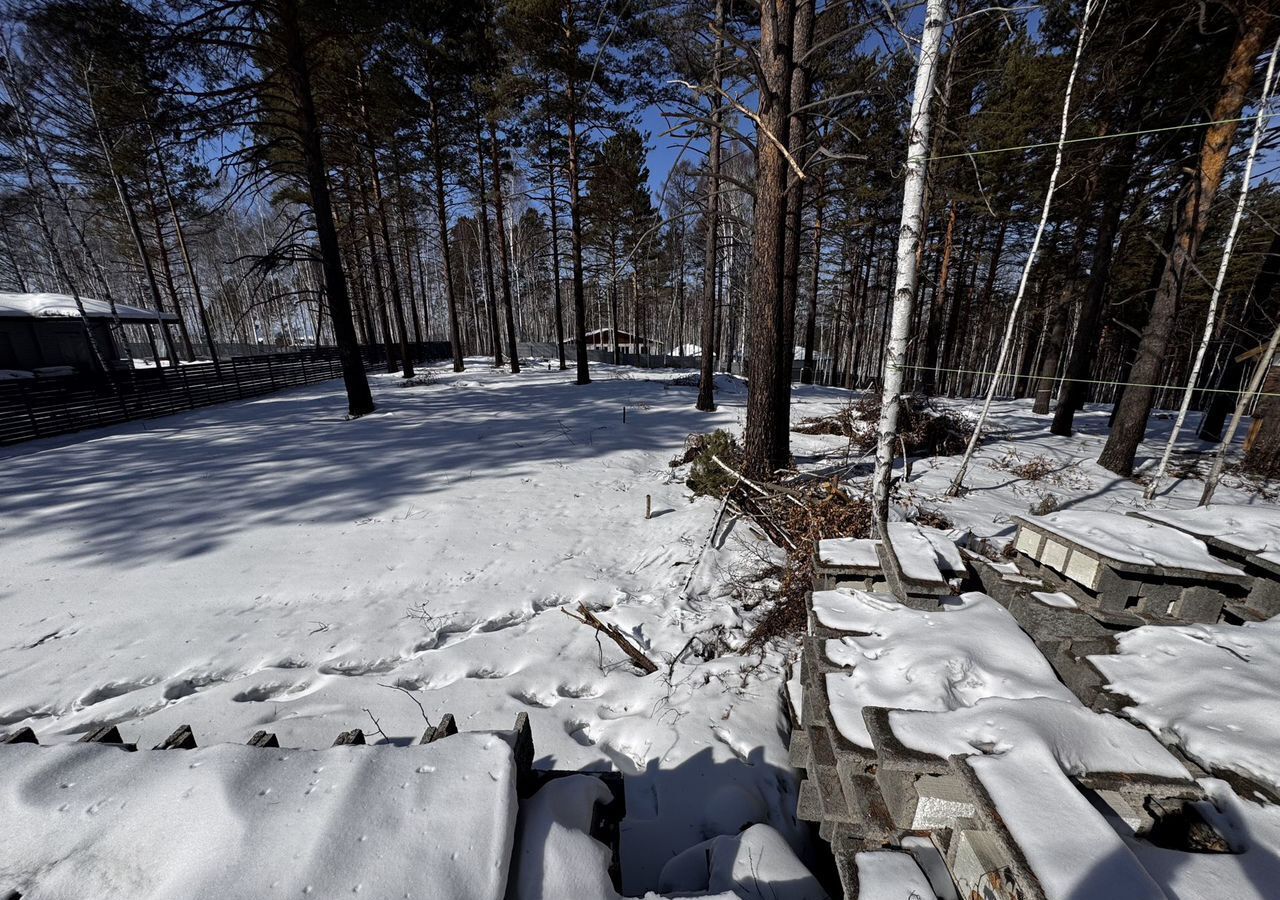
(1126,544)
(891,875)
(237,821)
(1213,690)
(904,658)
(849,553)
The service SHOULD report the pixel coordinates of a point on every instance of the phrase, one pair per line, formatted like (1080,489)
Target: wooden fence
(43,407)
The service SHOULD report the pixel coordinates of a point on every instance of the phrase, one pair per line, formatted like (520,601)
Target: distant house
(45,331)
(602,339)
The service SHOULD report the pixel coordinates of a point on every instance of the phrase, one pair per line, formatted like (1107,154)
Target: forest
(1071,201)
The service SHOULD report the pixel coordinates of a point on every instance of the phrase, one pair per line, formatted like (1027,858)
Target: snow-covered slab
(63,306)
(1080,740)
(1213,690)
(850,553)
(891,875)
(915,552)
(969,649)
(1247,530)
(88,820)
(1073,851)
(1078,544)
(1021,752)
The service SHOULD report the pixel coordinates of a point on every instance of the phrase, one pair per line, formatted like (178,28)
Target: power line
(1158,387)
(1099,137)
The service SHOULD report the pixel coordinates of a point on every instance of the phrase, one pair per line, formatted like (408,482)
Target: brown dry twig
(587,617)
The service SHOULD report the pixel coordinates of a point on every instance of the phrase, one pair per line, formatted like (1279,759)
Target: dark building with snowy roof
(42,331)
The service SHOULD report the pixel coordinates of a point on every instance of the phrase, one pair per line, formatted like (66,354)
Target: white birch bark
(1255,385)
(904,287)
(1259,129)
(957,483)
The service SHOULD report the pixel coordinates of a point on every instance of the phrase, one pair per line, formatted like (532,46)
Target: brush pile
(794,513)
(924,428)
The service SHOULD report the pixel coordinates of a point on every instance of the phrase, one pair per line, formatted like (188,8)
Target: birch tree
(904,287)
(957,483)
(1211,316)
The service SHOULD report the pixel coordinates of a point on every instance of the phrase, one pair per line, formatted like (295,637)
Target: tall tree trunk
(486,253)
(442,218)
(359,398)
(162,250)
(1211,315)
(797,135)
(957,483)
(1254,320)
(380,207)
(1134,407)
(575,233)
(764,438)
(909,233)
(504,253)
(706,381)
(555,249)
(201,310)
(811,323)
(933,330)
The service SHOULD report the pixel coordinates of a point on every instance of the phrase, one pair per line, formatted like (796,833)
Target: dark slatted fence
(43,407)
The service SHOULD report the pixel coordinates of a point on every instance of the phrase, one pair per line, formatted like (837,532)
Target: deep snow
(269,564)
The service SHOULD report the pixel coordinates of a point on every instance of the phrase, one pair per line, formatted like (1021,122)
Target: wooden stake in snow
(904,285)
(957,483)
(1255,385)
(1259,128)
(648,506)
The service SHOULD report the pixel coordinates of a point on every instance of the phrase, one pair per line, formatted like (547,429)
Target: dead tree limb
(587,617)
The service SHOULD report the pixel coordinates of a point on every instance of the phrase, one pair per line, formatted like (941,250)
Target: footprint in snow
(580,732)
(113,689)
(487,672)
(268,690)
(352,667)
(533,698)
(579,691)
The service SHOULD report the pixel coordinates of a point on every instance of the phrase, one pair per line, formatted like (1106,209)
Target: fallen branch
(587,617)
(715,526)
(770,490)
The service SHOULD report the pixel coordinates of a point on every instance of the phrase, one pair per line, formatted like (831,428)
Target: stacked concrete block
(886,796)
(1122,592)
(847,562)
(913,571)
(1247,537)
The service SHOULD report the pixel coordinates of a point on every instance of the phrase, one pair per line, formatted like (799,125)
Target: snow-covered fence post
(957,483)
(904,286)
(1211,317)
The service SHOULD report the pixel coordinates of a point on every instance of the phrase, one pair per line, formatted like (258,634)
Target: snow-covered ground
(271,565)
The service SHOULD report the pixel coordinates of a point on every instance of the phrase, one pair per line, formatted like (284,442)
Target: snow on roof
(1132,541)
(1213,688)
(90,820)
(63,306)
(942,659)
(1251,529)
